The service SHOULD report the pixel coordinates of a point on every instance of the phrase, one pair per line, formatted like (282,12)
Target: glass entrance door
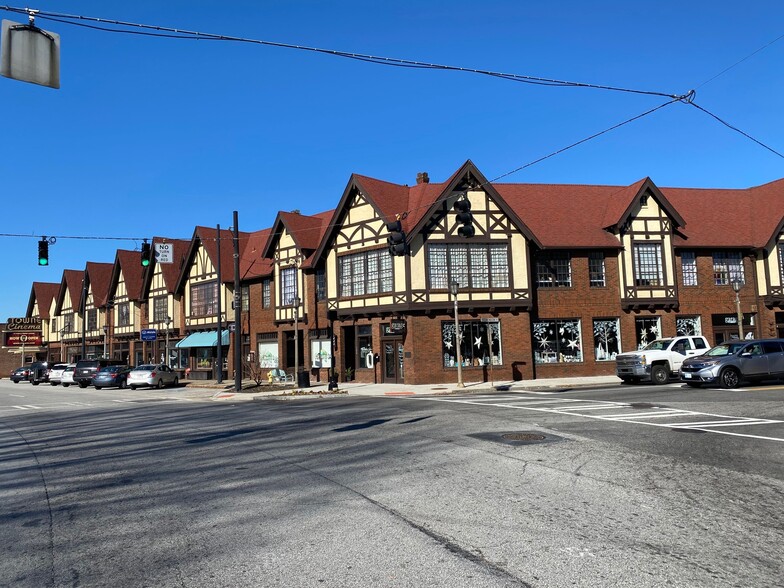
(393,361)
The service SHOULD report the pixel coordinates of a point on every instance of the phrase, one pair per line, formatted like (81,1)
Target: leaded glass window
(288,285)
(648,264)
(553,269)
(689,268)
(596,277)
(557,341)
(366,272)
(204,299)
(727,267)
(479,266)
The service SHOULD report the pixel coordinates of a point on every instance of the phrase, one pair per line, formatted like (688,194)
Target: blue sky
(151,136)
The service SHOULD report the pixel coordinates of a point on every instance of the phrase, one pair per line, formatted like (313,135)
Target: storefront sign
(394,328)
(24,324)
(149,334)
(23,339)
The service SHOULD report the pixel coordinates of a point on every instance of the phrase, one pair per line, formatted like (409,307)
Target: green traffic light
(43,261)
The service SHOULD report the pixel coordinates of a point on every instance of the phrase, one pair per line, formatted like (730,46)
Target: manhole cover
(523,437)
(642,405)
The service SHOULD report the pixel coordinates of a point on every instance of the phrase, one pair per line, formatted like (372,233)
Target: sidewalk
(250,390)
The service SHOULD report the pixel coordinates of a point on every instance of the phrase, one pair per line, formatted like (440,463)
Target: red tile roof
(252,264)
(43,293)
(130,263)
(99,277)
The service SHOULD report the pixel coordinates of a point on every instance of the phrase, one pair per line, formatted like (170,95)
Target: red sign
(23,339)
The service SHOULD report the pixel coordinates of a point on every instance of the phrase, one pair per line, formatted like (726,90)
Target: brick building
(554,280)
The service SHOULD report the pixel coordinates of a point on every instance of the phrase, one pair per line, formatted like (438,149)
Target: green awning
(204,339)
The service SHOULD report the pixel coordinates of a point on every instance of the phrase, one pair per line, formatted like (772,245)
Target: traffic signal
(464,217)
(397,238)
(145,253)
(43,252)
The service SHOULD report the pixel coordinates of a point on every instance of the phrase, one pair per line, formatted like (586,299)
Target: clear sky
(151,136)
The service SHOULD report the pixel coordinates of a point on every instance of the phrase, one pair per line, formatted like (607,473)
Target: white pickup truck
(659,360)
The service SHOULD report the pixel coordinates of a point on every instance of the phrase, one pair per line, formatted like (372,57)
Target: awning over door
(204,339)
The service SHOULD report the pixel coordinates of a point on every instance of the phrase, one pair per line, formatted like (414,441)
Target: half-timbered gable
(164,307)
(69,301)
(41,305)
(98,279)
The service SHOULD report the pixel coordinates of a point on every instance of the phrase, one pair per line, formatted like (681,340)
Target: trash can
(303,379)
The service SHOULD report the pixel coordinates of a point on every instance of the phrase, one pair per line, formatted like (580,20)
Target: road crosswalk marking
(623,412)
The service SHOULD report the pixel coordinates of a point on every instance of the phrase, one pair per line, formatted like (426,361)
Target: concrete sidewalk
(250,390)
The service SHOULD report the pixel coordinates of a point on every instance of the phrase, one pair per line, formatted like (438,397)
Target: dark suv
(86,368)
(39,372)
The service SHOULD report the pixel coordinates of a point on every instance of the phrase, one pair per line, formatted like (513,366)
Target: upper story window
(321,284)
(366,272)
(596,277)
(245,298)
(648,264)
(266,293)
(124,314)
(288,285)
(553,269)
(68,322)
(204,299)
(689,268)
(781,263)
(475,265)
(160,309)
(92,319)
(727,267)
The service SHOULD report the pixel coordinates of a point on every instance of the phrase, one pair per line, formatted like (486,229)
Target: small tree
(255,372)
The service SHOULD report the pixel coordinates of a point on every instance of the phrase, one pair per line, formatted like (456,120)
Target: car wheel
(176,382)
(35,383)
(729,378)
(133,387)
(122,385)
(660,374)
(98,387)
(66,385)
(53,383)
(160,384)
(82,385)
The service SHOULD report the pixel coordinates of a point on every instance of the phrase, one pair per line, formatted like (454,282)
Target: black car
(113,375)
(86,368)
(20,373)
(39,372)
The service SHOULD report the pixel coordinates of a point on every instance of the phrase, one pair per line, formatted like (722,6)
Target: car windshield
(68,369)
(657,345)
(111,369)
(725,349)
(145,368)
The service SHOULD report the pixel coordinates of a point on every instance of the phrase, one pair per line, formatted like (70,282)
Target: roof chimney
(422,178)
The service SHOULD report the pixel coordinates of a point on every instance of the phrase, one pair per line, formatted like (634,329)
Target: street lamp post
(454,287)
(736,286)
(168,322)
(296,340)
(105,337)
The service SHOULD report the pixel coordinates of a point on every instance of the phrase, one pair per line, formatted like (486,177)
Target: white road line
(17,395)
(728,424)
(621,417)
(21,407)
(720,418)
(613,406)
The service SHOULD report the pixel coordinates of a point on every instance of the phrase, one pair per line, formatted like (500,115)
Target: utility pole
(84,318)
(237,309)
(220,332)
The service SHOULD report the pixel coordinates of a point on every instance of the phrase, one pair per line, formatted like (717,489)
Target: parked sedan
(729,363)
(113,375)
(20,373)
(56,373)
(152,375)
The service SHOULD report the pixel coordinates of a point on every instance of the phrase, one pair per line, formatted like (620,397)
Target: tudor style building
(554,281)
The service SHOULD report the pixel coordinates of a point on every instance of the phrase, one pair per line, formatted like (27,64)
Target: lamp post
(166,351)
(296,339)
(736,286)
(63,348)
(454,287)
(105,336)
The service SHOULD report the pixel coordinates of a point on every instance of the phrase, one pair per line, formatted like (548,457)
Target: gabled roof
(71,283)
(207,237)
(43,293)
(129,263)
(252,263)
(99,277)
(169,271)
(307,231)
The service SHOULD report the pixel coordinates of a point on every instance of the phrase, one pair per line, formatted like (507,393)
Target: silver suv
(733,361)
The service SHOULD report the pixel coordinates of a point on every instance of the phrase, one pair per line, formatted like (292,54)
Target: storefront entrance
(392,355)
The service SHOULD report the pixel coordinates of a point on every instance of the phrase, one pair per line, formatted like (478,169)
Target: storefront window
(688,325)
(204,358)
(557,341)
(606,339)
(364,344)
(647,329)
(480,343)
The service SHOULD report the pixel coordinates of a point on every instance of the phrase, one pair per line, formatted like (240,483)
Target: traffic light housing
(43,252)
(396,239)
(145,253)
(465,218)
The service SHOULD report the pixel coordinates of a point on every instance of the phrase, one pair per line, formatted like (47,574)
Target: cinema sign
(24,324)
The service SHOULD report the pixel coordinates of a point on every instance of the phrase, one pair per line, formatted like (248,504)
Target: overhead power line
(133,28)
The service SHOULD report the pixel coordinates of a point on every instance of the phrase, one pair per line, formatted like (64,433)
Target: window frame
(543,329)
(159,314)
(597,269)
(607,340)
(288,285)
(723,266)
(365,273)
(204,299)
(472,337)
(266,293)
(549,275)
(644,270)
(480,267)
(691,264)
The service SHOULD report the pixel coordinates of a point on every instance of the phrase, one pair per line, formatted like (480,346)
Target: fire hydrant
(269,377)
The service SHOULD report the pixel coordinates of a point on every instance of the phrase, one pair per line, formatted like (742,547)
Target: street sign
(149,334)
(164,253)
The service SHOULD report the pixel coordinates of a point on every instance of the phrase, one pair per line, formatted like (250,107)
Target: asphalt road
(631,486)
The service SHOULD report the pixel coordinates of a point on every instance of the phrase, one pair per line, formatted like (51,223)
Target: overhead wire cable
(750,55)
(736,129)
(169,32)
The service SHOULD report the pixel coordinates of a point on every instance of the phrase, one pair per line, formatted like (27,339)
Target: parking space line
(646,415)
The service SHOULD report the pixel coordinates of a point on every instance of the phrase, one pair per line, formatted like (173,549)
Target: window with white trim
(606,338)
(553,269)
(648,264)
(557,341)
(596,277)
(364,273)
(288,285)
(689,268)
(479,266)
(727,267)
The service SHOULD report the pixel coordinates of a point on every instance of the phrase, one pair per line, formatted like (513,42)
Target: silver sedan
(152,375)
